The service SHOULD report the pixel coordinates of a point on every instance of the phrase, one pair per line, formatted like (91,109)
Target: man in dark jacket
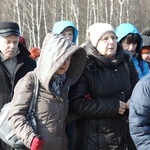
(14,62)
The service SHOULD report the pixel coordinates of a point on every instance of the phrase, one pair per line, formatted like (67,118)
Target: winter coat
(24,65)
(7,84)
(141,66)
(61,25)
(139,116)
(51,108)
(94,99)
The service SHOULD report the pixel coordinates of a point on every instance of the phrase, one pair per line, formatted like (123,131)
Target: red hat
(35,52)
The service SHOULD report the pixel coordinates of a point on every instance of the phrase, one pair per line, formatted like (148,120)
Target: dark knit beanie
(9,28)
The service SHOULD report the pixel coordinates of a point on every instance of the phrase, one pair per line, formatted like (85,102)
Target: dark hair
(134,38)
(69,28)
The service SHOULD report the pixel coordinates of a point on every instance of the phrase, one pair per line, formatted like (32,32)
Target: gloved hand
(37,143)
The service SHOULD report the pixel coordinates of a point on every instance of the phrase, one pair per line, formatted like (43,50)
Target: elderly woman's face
(107,45)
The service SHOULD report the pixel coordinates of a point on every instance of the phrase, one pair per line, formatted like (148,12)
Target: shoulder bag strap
(35,93)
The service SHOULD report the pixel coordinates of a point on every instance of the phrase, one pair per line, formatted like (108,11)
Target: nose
(12,45)
(110,40)
(131,47)
(65,63)
(67,37)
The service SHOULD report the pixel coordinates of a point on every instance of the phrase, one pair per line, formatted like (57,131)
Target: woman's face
(107,45)
(131,46)
(68,34)
(63,68)
(146,56)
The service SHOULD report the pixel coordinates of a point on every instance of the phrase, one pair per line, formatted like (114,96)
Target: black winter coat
(7,84)
(95,100)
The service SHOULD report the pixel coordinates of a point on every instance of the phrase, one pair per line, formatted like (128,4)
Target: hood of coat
(61,25)
(124,29)
(55,50)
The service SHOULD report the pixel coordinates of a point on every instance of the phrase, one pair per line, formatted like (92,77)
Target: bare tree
(111,11)
(94,10)
(44,16)
(36,18)
(121,10)
(18,12)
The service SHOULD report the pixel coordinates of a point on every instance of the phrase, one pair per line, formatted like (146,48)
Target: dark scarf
(57,82)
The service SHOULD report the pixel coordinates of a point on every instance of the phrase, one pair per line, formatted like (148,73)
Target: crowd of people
(93,96)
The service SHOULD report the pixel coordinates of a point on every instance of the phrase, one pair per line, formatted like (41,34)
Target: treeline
(36,17)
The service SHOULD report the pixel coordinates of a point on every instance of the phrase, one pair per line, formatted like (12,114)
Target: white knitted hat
(97,30)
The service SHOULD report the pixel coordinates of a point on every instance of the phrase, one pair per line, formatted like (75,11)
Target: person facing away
(100,98)
(34,52)
(67,28)
(60,64)
(130,38)
(23,41)
(14,62)
(139,115)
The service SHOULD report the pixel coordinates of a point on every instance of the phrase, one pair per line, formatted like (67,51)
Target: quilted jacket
(94,99)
